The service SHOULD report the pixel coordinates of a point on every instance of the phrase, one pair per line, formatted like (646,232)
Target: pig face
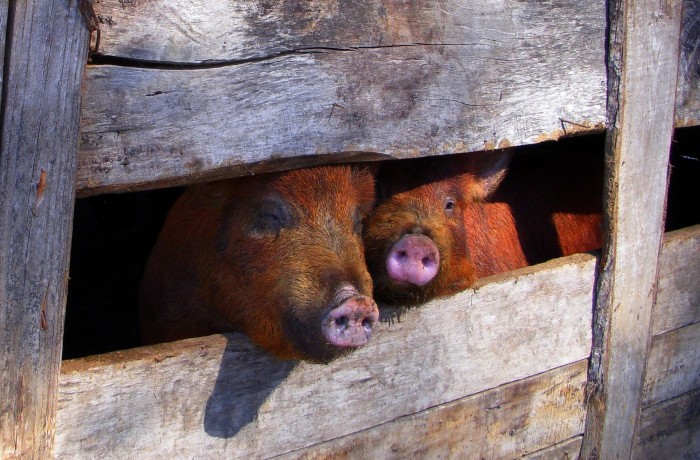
(415,240)
(278,257)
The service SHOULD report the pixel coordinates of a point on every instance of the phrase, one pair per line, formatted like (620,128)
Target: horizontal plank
(566,450)
(180,32)
(218,395)
(670,429)
(673,365)
(504,422)
(678,296)
(435,86)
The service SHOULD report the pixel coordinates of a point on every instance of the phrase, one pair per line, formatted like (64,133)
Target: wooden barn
(593,356)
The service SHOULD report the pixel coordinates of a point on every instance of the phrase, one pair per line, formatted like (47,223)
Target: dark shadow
(683,201)
(112,238)
(247,377)
(565,176)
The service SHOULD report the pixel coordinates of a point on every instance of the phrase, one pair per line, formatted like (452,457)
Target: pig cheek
(251,297)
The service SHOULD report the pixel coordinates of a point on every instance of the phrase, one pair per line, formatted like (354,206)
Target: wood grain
(678,296)
(217,396)
(45,61)
(505,422)
(673,365)
(294,86)
(688,95)
(670,429)
(642,71)
(566,450)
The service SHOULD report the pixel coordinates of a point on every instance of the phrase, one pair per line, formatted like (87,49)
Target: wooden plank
(217,395)
(45,61)
(678,296)
(4,8)
(179,32)
(567,450)
(670,429)
(381,79)
(673,365)
(642,70)
(688,94)
(504,422)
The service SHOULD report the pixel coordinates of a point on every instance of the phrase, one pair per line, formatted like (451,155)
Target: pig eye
(272,216)
(450,205)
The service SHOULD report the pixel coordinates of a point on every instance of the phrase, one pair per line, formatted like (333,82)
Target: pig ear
(487,170)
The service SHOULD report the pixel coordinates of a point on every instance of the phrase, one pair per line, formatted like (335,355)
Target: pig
(276,256)
(441,223)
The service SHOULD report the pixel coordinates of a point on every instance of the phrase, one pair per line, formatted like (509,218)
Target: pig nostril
(428,262)
(402,254)
(367,324)
(342,322)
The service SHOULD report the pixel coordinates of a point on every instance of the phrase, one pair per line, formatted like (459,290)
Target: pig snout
(414,259)
(350,323)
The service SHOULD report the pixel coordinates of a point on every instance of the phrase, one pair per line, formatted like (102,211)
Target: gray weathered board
(509,421)
(688,92)
(678,295)
(193,91)
(643,66)
(566,450)
(219,395)
(670,429)
(44,44)
(673,365)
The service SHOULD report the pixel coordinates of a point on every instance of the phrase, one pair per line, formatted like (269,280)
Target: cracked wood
(43,74)
(250,87)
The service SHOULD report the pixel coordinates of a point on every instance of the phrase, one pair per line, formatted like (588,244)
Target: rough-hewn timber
(644,41)
(249,88)
(45,57)
(678,296)
(670,429)
(505,422)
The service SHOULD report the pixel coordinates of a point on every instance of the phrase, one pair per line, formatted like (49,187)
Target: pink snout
(350,324)
(414,259)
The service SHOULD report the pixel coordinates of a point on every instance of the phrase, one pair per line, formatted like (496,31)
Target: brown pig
(277,256)
(443,222)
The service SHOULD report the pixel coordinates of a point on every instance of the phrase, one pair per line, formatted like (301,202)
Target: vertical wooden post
(45,56)
(642,67)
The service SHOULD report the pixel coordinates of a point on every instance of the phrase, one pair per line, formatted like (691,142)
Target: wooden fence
(583,356)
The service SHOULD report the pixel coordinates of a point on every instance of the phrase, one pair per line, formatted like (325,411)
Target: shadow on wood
(241,389)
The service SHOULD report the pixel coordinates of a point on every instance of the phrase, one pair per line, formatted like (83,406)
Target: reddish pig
(276,256)
(441,223)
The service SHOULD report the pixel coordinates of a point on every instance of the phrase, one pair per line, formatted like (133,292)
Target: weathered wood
(673,365)
(678,296)
(642,71)
(688,95)
(368,80)
(217,395)
(670,429)
(47,51)
(4,8)
(567,450)
(504,422)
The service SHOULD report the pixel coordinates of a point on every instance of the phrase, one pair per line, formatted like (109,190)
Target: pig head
(443,222)
(277,256)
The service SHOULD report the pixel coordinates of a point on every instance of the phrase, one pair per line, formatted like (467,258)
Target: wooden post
(46,53)
(642,67)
